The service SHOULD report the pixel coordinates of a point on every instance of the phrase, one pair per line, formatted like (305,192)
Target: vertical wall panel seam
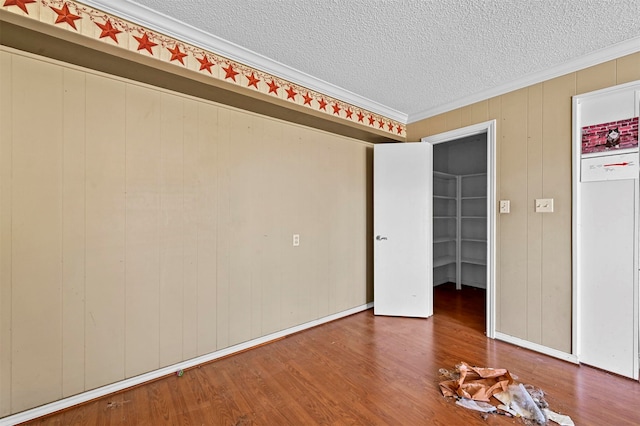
(499,161)
(196,208)
(124,301)
(229,276)
(12,310)
(11,204)
(260,259)
(541,142)
(61,285)
(527,216)
(575,92)
(159,240)
(542,191)
(182,234)
(544,194)
(84,297)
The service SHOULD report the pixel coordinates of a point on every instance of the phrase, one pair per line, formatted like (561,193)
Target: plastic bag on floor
(483,407)
(517,400)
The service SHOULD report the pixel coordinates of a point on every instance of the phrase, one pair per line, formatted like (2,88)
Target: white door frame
(488,127)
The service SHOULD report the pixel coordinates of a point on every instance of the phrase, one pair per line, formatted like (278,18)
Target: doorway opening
(464,221)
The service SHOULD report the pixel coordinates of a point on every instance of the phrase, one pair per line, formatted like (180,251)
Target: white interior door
(608,268)
(403,228)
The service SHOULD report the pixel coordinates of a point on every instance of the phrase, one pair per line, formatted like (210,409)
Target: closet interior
(460,212)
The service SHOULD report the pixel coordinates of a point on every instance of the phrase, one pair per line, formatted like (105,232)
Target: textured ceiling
(414,56)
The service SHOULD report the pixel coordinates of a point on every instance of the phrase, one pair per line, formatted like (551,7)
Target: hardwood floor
(363,370)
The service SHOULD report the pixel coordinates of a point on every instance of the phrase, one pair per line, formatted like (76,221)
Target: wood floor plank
(362,370)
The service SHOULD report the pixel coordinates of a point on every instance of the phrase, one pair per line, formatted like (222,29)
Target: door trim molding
(488,127)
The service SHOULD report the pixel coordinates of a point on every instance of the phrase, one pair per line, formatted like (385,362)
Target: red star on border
(65,16)
(336,108)
(273,87)
(360,117)
(291,94)
(253,80)
(22,4)
(230,72)
(348,112)
(390,126)
(145,43)
(108,30)
(323,104)
(205,64)
(399,130)
(381,124)
(371,120)
(307,99)
(176,54)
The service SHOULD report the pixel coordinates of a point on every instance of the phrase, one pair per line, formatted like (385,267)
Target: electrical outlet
(544,205)
(296,240)
(505,206)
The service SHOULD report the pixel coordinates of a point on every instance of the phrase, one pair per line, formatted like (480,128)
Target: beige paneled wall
(140,228)
(36,231)
(534,161)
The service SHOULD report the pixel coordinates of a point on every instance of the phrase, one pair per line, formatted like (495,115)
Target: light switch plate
(505,206)
(544,205)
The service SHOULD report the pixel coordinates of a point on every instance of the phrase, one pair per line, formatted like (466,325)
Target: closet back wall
(140,228)
(461,157)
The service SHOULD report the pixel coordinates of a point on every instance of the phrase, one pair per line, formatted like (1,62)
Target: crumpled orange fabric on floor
(478,383)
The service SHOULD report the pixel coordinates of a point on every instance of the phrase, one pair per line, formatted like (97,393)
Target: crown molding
(615,51)
(171,27)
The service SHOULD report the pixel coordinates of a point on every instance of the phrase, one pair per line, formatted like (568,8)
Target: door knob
(380,237)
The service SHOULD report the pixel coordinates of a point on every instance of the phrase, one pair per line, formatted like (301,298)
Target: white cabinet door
(608,293)
(403,226)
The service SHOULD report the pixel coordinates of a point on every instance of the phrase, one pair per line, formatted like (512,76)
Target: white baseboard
(171,369)
(536,347)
